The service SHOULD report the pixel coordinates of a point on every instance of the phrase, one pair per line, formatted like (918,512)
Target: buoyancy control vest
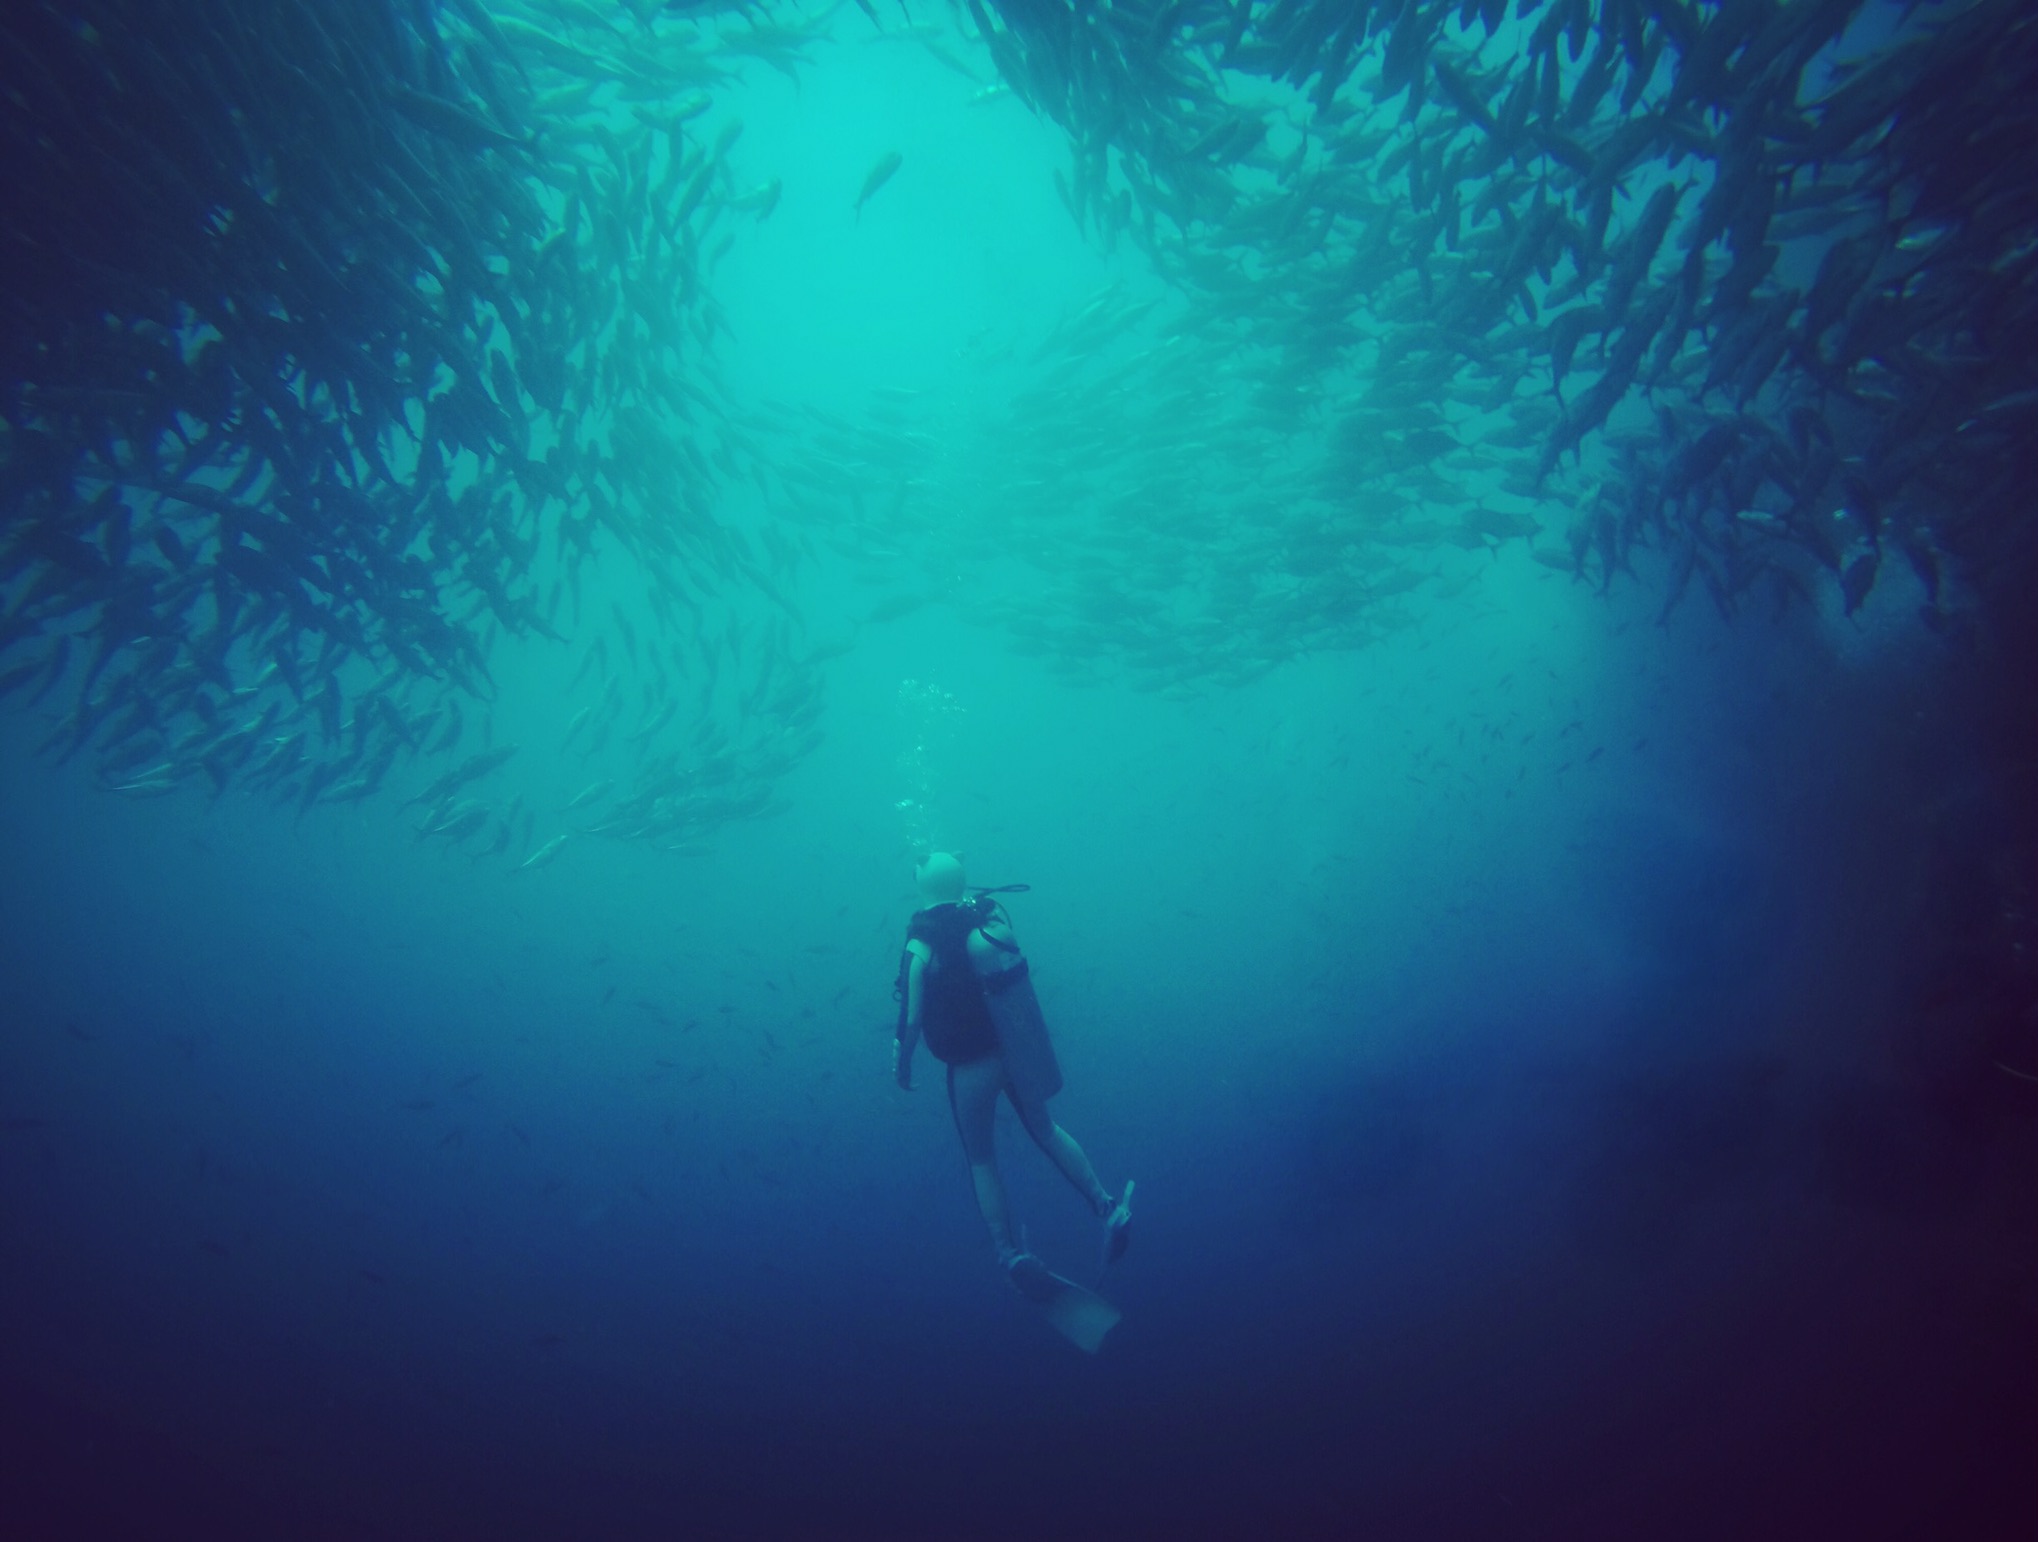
(954,1018)
(977,994)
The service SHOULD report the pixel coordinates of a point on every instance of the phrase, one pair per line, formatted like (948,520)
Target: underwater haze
(522,520)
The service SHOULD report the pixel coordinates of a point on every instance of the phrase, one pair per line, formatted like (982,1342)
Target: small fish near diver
(879,175)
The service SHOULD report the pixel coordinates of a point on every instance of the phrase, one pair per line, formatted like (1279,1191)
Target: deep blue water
(1554,1047)
(1520,1152)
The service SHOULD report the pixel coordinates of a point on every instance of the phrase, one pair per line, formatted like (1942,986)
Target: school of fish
(348,342)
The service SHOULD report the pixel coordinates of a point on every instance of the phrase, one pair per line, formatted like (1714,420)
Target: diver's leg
(1062,1150)
(973,1099)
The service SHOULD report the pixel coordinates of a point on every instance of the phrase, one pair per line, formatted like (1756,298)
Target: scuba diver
(964,988)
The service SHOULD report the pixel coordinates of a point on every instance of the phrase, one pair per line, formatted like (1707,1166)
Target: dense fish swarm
(1436,272)
(329,323)
(342,337)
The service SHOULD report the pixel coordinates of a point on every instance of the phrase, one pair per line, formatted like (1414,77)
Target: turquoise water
(1556,1037)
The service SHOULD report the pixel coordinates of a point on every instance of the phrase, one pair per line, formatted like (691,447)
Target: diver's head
(941,878)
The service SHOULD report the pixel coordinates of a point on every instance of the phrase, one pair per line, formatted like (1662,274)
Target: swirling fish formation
(344,339)
(327,323)
(1436,268)
(1823,292)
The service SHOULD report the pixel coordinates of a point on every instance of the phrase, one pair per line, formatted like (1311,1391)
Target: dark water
(1577,1070)
(1519,1154)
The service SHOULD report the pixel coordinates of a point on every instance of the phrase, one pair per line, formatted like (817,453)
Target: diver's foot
(1118,1228)
(1029,1276)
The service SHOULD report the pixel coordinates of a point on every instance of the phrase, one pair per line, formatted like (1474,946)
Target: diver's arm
(909,1031)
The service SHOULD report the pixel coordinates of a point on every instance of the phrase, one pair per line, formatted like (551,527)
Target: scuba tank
(1007,980)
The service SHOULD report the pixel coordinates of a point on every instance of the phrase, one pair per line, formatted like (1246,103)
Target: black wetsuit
(954,1019)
